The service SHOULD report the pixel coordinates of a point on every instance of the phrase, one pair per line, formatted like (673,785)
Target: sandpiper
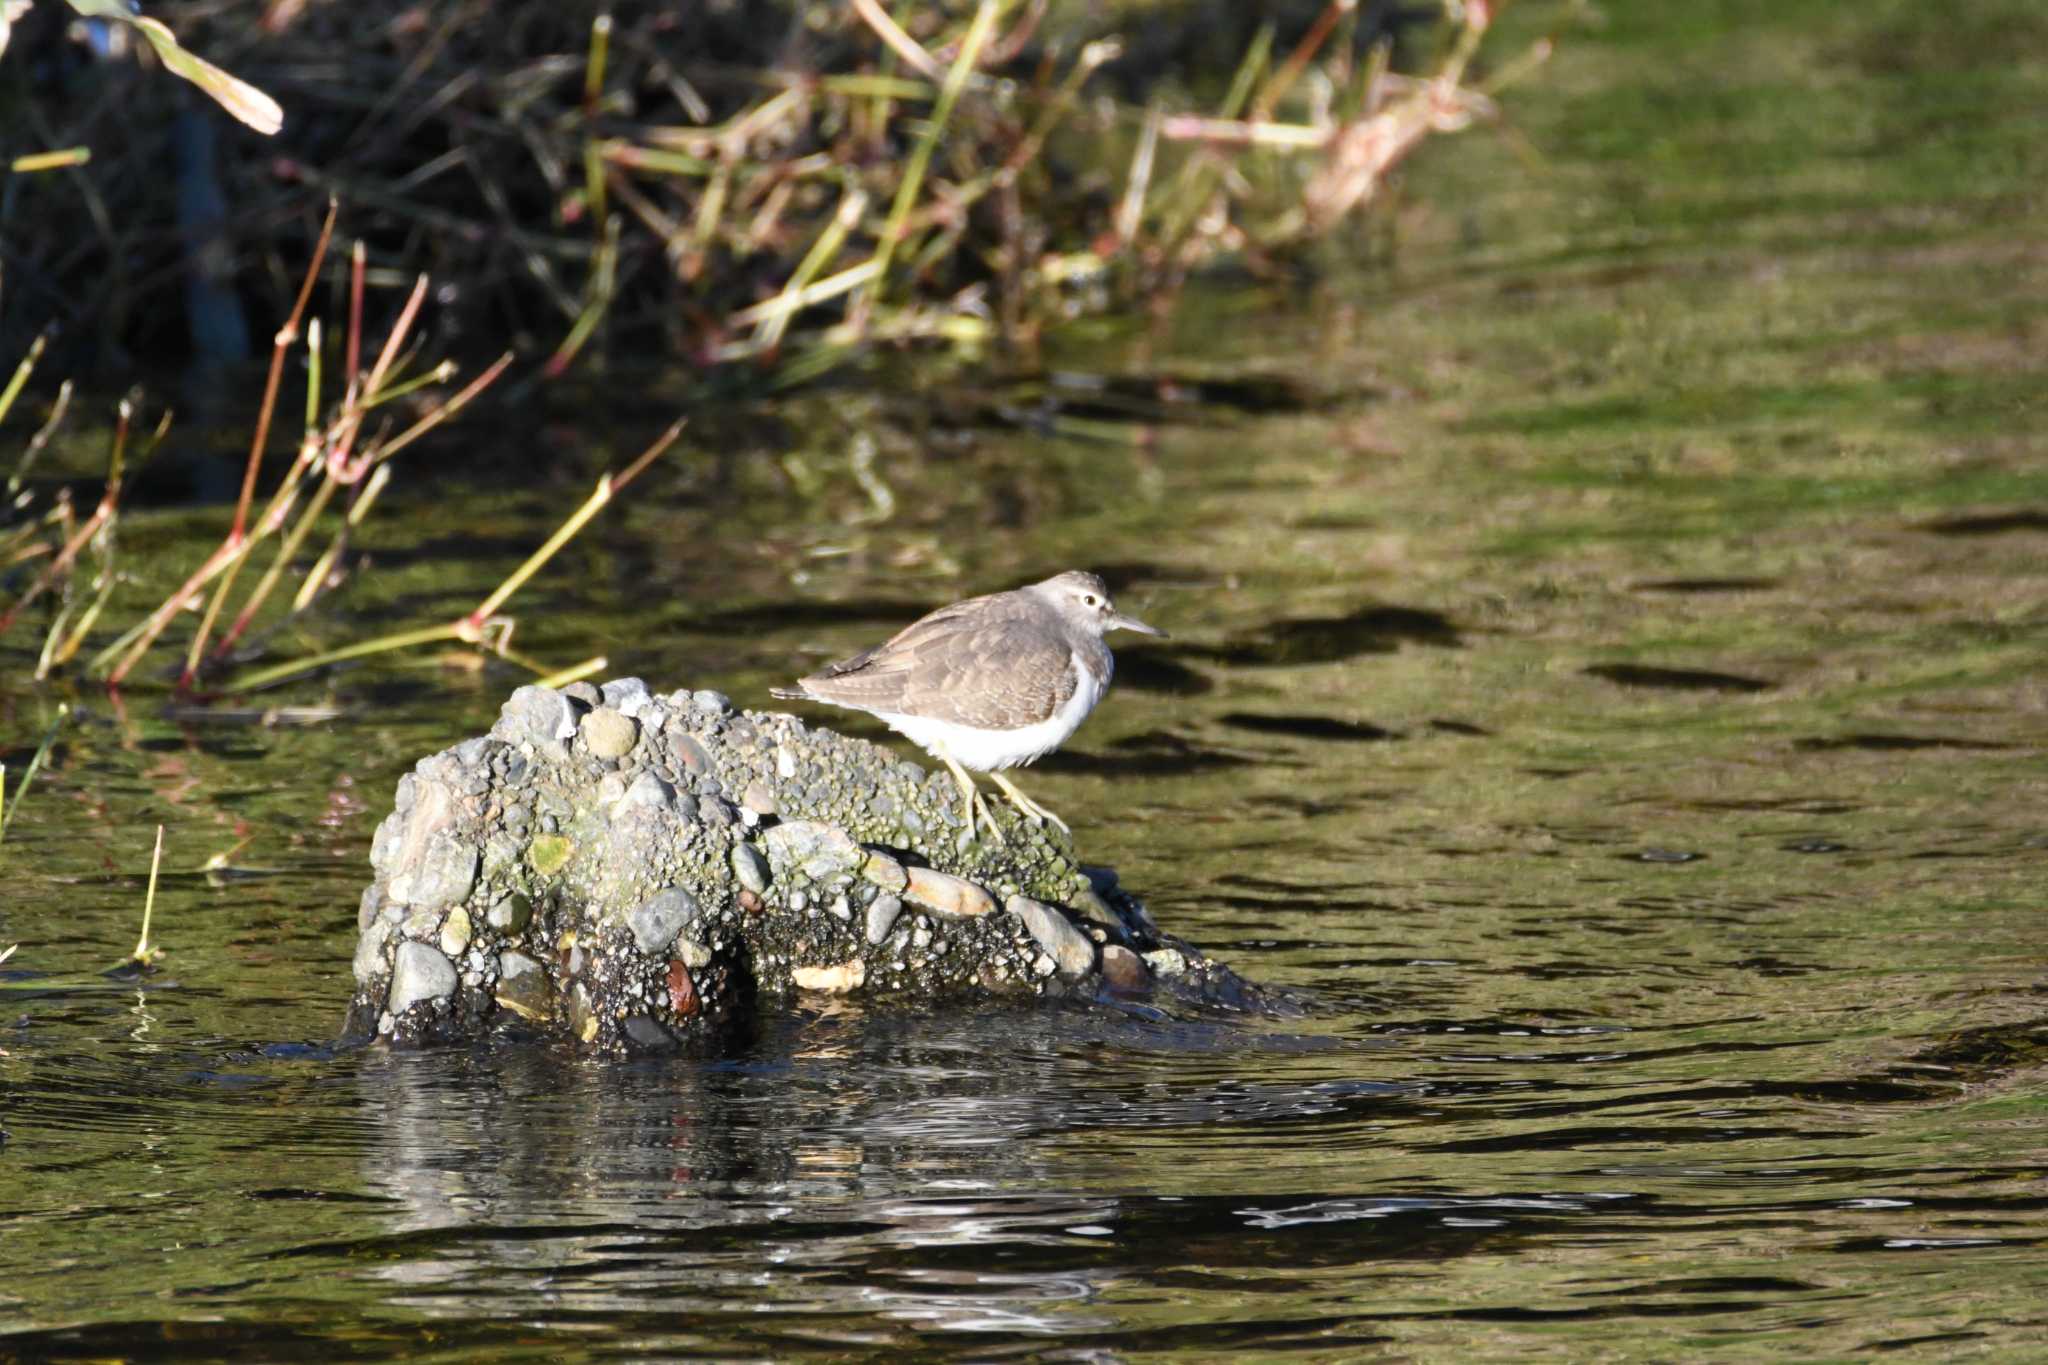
(988,683)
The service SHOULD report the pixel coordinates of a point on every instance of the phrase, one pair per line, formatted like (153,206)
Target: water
(1609,692)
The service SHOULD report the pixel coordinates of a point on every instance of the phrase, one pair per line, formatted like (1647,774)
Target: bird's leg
(1034,812)
(977,809)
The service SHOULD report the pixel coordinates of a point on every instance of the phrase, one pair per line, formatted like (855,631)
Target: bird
(989,683)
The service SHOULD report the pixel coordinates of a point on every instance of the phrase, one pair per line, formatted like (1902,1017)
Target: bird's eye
(1090,600)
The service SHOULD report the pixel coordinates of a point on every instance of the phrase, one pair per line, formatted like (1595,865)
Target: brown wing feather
(965,663)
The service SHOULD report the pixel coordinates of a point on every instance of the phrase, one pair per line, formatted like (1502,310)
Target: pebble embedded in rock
(1124,970)
(1167,962)
(522,985)
(628,696)
(1068,947)
(608,734)
(944,894)
(750,867)
(445,873)
(647,791)
(690,754)
(535,715)
(884,871)
(421,973)
(759,798)
(838,979)
(455,932)
(648,1033)
(882,917)
(682,989)
(656,922)
(510,915)
(812,851)
(369,959)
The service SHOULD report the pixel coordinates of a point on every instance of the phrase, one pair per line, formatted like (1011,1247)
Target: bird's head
(1084,599)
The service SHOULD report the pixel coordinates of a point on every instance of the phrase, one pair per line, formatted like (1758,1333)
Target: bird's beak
(1119,621)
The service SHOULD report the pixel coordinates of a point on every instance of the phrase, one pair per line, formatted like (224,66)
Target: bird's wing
(990,674)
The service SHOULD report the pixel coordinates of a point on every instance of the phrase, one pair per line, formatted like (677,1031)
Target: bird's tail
(789,693)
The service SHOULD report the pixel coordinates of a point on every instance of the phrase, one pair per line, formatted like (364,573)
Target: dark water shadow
(1333,639)
(1990,523)
(1682,679)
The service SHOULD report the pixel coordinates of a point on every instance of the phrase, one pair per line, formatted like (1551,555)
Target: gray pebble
(812,851)
(656,922)
(446,872)
(882,916)
(369,959)
(717,703)
(750,867)
(1067,946)
(536,716)
(648,791)
(585,692)
(421,973)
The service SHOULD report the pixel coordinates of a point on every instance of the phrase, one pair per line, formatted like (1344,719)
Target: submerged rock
(639,872)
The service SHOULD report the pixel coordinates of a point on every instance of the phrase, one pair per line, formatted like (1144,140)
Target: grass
(341,462)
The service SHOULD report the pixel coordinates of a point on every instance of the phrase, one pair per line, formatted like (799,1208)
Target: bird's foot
(1033,812)
(978,809)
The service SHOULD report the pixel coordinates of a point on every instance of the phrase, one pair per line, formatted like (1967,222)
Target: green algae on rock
(636,872)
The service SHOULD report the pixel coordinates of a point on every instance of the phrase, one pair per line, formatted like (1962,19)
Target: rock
(944,894)
(421,974)
(1167,962)
(1123,970)
(808,851)
(510,915)
(656,922)
(839,979)
(523,986)
(536,716)
(682,990)
(630,698)
(455,932)
(369,959)
(647,792)
(647,1034)
(444,874)
(882,917)
(608,734)
(548,854)
(690,754)
(585,692)
(750,867)
(523,879)
(884,871)
(717,703)
(1068,947)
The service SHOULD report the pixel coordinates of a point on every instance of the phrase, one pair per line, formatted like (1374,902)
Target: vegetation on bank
(768,183)
(769,188)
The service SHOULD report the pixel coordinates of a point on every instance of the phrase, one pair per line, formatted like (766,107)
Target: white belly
(992,750)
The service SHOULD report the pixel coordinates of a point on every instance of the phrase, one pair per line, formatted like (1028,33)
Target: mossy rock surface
(698,863)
